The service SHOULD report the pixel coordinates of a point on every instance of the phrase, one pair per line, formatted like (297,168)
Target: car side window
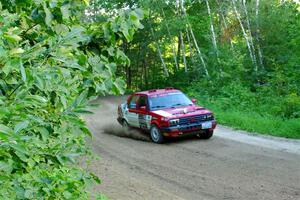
(142,101)
(132,103)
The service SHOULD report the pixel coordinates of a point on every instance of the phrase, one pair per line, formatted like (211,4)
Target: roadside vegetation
(53,60)
(240,58)
(236,106)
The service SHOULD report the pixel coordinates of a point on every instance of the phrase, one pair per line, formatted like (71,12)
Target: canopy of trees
(251,41)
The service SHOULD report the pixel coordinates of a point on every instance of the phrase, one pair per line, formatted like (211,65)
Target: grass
(239,118)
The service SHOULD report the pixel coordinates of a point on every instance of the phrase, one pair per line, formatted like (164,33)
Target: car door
(144,118)
(132,115)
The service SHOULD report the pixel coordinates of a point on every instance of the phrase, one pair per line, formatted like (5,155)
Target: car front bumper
(186,129)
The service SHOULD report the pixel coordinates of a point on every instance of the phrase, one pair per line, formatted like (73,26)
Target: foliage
(52,64)
(237,106)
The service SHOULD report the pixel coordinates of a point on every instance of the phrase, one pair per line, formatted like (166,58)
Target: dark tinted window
(142,101)
(132,103)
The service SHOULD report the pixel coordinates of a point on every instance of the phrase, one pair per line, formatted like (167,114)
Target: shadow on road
(142,136)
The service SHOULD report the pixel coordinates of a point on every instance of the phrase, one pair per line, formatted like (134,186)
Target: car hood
(182,111)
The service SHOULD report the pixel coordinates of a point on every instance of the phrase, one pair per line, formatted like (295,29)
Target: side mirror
(143,108)
(194,101)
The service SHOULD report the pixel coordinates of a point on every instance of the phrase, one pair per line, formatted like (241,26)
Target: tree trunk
(178,49)
(173,46)
(190,45)
(129,80)
(159,53)
(250,34)
(212,29)
(245,34)
(194,40)
(214,39)
(224,21)
(183,51)
(146,74)
(260,55)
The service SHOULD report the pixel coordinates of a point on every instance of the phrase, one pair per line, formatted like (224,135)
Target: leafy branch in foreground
(50,68)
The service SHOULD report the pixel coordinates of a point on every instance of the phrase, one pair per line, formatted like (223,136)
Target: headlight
(210,116)
(174,122)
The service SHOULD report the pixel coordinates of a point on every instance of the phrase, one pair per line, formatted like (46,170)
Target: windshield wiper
(158,107)
(178,104)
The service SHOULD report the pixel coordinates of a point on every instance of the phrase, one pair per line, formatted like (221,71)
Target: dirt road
(231,165)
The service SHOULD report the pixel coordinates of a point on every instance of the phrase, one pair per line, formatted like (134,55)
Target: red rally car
(166,113)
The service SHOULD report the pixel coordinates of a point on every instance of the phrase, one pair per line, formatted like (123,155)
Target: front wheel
(156,135)
(206,135)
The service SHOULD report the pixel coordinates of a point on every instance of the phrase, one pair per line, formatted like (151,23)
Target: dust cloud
(107,121)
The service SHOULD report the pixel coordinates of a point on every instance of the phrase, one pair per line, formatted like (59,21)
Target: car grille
(194,119)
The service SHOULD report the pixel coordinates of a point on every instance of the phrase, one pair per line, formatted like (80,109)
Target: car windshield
(168,100)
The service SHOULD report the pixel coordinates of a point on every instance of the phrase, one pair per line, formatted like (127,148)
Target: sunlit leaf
(49,16)
(20,126)
(5,129)
(22,70)
(16,51)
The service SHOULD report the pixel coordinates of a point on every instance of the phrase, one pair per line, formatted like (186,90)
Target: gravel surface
(231,165)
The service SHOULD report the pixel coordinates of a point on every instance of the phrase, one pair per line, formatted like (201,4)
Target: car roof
(157,91)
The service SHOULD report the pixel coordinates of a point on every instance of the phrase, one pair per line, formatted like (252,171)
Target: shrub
(48,74)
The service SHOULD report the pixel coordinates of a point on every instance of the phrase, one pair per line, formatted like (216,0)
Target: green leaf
(49,17)
(63,101)
(110,51)
(87,2)
(10,66)
(80,99)
(125,31)
(2,52)
(5,129)
(96,178)
(119,86)
(140,13)
(44,133)
(101,197)
(37,98)
(12,37)
(83,111)
(67,194)
(22,70)
(20,126)
(61,29)
(28,194)
(16,51)
(6,166)
(65,11)
(20,151)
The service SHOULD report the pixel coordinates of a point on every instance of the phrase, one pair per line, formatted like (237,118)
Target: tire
(206,135)
(156,135)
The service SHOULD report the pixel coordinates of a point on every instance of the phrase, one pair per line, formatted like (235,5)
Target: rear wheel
(206,135)
(156,135)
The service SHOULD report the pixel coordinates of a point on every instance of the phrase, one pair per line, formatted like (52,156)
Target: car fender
(155,122)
